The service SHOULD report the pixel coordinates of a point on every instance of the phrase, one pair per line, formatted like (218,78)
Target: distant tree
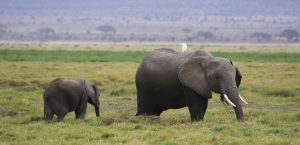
(46,31)
(2,33)
(2,30)
(290,34)
(148,18)
(132,36)
(186,34)
(171,38)
(186,30)
(108,32)
(106,29)
(261,36)
(205,35)
(45,34)
(32,17)
(188,39)
(3,26)
(60,20)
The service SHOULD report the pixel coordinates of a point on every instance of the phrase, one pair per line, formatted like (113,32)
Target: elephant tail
(138,104)
(46,97)
(44,108)
(138,112)
(45,104)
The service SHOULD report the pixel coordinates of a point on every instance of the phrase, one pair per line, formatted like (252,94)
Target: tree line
(109,33)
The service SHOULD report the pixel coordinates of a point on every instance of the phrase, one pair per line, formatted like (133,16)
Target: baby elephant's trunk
(97,110)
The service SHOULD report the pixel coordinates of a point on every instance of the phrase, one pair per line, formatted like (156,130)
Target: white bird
(183,47)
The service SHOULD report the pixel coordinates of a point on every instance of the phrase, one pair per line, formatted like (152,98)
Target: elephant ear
(91,91)
(96,90)
(238,76)
(192,75)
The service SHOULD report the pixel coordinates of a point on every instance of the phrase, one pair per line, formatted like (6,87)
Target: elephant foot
(137,114)
(60,118)
(195,119)
(61,122)
(80,117)
(48,121)
(142,114)
(147,114)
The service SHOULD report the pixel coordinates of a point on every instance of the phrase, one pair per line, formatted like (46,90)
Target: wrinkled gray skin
(65,95)
(167,79)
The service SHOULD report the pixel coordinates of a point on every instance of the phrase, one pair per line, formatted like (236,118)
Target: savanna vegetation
(231,21)
(270,84)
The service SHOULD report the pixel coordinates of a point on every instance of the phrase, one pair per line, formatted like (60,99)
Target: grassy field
(270,84)
(131,56)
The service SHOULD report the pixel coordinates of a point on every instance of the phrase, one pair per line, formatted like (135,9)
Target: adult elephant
(65,95)
(167,79)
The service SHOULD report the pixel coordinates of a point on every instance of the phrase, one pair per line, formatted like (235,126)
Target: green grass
(100,56)
(131,56)
(259,57)
(271,86)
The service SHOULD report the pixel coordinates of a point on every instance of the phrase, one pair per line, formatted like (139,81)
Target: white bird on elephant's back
(183,47)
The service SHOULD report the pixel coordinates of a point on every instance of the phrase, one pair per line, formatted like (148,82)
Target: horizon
(234,21)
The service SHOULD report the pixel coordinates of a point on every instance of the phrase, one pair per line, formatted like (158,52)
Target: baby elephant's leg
(48,114)
(81,110)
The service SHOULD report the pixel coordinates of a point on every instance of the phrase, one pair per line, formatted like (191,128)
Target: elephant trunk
(233,96)
(97,110)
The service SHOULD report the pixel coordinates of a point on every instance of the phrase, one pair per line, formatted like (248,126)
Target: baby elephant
(65,95)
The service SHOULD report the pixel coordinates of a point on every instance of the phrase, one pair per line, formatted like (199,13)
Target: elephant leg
(157,111)
(76,114)
(144,105)
(80,114)
(204,105)
(60,112)
(81,110)
(195,103)
(61,116)
(140,104)
(48,113)
(148,109)
(196,111)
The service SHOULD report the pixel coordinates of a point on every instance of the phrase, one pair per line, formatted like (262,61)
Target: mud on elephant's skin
(167,79)
(65,95)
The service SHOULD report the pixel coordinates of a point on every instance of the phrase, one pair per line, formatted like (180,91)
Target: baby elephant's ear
(96,90)
(90,90)
(192,75)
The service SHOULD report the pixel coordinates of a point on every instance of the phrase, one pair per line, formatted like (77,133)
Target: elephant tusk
(227,99)
(242,99)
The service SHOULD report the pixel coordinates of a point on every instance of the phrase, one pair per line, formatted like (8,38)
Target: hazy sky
(277,7)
